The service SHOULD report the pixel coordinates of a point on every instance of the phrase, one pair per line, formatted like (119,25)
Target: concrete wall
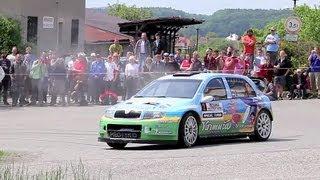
(65,10)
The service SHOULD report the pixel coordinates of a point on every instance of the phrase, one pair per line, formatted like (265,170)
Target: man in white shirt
(272,42)
(131,72)
(111,69)
(12,56)
(142,49)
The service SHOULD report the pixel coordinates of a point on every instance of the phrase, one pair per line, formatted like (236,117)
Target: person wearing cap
(170,65)
(142,50)
(299,83)
(272,42)
(116,47)
(158,45)
(157,65)
(314,74)
(249,43)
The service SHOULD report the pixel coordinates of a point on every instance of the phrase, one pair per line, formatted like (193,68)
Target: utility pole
(57,25)
(295,3)
(197,46)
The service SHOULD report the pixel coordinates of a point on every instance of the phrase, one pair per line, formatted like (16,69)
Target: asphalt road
(55,135)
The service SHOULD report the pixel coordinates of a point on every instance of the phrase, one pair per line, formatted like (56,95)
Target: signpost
(293,27)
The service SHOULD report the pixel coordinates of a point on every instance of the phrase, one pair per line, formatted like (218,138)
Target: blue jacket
(314,63)
(97,69)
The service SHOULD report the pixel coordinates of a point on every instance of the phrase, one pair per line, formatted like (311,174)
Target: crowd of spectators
(92,79)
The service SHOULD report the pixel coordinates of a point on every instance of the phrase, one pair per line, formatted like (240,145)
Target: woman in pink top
(186,63)
(230,63)
(240,66)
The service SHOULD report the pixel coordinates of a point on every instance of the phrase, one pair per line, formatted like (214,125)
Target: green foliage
(130,13)
(10,33)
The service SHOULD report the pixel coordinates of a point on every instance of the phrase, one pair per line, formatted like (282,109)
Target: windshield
(174,88)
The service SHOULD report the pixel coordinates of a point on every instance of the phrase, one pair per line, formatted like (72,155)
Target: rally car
(184,107)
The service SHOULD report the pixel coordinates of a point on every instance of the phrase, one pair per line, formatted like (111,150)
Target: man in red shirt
(80,75)
(249,43)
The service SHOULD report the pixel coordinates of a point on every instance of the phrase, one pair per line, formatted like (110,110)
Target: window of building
(75,32)
(240,88)
(60,33)
(216,89)
(32,29)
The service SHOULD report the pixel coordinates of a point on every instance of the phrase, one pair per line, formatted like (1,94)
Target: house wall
(61,10)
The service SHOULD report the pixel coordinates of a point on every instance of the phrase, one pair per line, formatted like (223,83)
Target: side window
(216,89)
(240,88)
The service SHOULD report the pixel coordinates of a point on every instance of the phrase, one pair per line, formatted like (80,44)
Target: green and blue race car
(184,107)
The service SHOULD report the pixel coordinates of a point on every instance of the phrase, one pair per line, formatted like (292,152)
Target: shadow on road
(203,144)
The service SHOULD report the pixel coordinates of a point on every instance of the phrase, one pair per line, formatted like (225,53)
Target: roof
(101,27)
(152,26)
(97,35)
(164,21)
(202,76)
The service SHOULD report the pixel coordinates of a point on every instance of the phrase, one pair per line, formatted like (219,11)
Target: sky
(205,6)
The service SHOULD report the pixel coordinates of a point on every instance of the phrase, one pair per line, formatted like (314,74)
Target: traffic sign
(291,37)
(293,25)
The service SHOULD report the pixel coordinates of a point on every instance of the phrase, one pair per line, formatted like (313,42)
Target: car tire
(117,145)
(263,127)
(188,131)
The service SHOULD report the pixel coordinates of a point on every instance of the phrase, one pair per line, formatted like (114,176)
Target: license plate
(124,135)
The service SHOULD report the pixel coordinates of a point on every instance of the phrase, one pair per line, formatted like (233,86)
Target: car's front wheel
(263,127)
(117,145)
(188,132)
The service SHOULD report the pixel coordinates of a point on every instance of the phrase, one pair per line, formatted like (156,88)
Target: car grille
(130,115)
(124,131)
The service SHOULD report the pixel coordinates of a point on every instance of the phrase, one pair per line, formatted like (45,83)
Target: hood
(153,104)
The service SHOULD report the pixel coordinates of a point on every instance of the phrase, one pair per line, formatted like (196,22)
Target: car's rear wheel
(117,145)
(263,127)
(188,132)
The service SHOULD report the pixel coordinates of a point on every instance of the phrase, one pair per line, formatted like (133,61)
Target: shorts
(280,80)
(315,80)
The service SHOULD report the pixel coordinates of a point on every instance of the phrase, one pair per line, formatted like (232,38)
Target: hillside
(223,22)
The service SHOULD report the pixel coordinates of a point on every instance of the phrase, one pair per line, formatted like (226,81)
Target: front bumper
(151,131)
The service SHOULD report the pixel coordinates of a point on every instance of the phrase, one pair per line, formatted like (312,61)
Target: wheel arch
(195,114)
(268,111)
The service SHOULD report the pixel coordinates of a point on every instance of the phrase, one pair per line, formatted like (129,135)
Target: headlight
(109,113)
(153,115)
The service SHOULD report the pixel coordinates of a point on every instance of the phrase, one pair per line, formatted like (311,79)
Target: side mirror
(207,99)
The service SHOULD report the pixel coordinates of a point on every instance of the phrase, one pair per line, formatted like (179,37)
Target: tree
(10,33)
(130,13)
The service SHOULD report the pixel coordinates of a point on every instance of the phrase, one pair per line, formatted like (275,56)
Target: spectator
(272,42)
(5,83)
(169,64)
(121,66)
(266,70)
(270,90)
(282,70)
(37,74)
(177,56)
(259,60)
(131,72)
(214,61)
(18,76)
(196,64)
(95,83)
(80,69)
(207,58)
(2,74)
(59,75)
(11,57)
(186,63)
(240,66)
(230,50)
(249,43)
(158,45)
(299,83)
(29,58)
(142,50)
(157,65)
(148,66)
(116,47)
(221,59)
(230,63)
(314,64)
(110,76)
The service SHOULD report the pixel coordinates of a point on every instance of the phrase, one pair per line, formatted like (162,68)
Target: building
(49,24)
(101,30)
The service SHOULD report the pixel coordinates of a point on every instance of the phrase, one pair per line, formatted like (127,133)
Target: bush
(10,33)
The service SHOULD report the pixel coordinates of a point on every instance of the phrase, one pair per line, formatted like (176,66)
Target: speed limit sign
(293,25)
